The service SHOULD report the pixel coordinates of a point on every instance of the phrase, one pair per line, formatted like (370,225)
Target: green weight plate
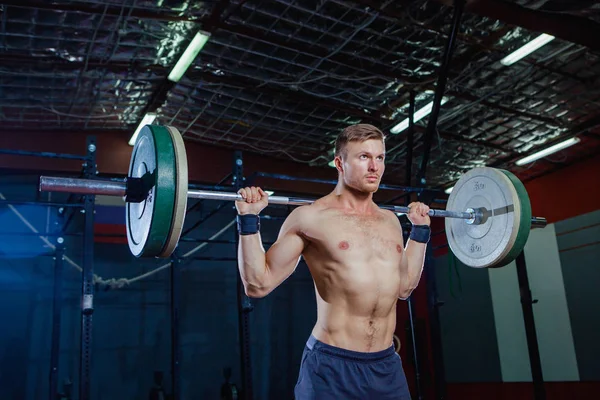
(181,189)
(149,222)
(524,223)
(505,229)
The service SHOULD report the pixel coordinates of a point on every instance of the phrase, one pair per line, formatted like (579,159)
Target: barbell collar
(538,222)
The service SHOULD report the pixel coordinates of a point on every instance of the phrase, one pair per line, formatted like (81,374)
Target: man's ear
(338,163)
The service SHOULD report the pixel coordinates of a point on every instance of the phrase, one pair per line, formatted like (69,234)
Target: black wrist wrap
(420,233)
(248,224)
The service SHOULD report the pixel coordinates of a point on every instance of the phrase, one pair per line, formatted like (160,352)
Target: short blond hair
(356,133)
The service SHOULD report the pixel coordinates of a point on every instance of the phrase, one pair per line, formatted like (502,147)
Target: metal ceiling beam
(440,87)
(582,31)
(57,63)
(91,8)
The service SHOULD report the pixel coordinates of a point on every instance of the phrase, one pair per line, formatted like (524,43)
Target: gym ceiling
(282,78)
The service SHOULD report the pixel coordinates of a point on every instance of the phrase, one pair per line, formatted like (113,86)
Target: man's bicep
(284,254)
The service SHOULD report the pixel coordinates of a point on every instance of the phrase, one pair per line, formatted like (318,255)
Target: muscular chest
(349,237)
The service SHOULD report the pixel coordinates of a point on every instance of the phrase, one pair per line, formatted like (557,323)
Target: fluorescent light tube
(188,56)
(332,163)
(422,113)
(147,120)
(449,190)
(527,49)
(548,151)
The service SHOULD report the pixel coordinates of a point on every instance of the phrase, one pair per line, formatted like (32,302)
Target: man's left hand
(418,214)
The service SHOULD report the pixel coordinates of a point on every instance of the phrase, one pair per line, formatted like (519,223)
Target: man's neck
(354,200)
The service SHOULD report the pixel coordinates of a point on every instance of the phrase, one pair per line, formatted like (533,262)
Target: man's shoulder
(300,219)
(306,211)
(389,214)
(309,214)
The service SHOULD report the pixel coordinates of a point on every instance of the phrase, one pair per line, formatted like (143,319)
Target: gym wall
(483,330)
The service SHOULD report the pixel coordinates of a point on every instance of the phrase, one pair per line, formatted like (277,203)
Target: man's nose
(373,165)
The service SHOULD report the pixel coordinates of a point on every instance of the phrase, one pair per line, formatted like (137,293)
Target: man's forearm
(415,256)
(252,263)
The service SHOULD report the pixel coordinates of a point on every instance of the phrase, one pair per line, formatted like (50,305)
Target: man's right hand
(255,199)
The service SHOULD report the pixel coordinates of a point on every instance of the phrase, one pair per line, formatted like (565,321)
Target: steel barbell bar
(121,189)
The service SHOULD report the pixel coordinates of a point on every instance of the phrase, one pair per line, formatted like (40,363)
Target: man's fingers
(251,194)
(417,208)
(411,207)
(255,195)
(425,210)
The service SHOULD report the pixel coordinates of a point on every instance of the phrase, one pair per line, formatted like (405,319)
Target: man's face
(363,165)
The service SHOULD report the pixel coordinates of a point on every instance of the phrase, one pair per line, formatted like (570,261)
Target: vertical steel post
(244,304)
(410,302)
(433,305)
(56,316)
(175,337)
(532,342)
(87,282)
(409,141)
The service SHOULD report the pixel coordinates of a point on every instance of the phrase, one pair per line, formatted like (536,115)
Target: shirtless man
(360,267)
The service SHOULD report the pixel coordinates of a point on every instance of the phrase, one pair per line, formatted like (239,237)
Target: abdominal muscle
(355,304)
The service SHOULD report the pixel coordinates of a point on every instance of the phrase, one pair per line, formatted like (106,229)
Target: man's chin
(370,188)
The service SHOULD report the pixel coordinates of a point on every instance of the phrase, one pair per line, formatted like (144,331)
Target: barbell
(488,215)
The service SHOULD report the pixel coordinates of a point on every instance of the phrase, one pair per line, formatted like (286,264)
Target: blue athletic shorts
(332,373)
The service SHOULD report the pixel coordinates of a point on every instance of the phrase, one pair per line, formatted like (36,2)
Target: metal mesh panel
(71,69)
